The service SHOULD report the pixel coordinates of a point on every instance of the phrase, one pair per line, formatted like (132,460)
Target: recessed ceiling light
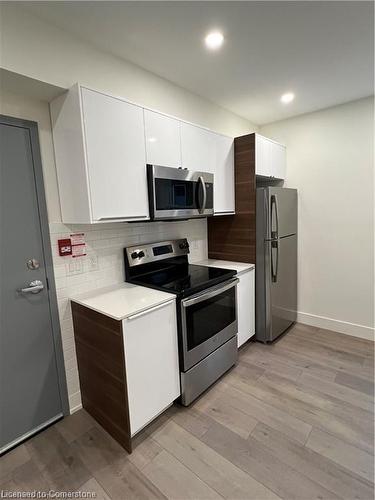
(287,98)
(214,40)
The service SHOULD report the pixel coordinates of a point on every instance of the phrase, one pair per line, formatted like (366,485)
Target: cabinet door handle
(151,309)
(128,217)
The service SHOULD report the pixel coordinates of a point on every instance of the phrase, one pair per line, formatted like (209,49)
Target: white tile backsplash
(103,266)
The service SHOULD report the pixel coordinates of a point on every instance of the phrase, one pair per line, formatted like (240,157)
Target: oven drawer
(206,372)
(208,320)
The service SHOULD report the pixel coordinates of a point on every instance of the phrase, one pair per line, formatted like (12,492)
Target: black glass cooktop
(184,279)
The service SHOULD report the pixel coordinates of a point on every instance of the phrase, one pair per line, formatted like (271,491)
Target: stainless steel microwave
(176,193)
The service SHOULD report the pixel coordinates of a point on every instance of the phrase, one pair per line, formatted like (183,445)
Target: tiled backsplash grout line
(103,266)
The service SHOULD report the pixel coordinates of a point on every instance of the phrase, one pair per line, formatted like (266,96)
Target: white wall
(330,161)
(39,50)
(30,109)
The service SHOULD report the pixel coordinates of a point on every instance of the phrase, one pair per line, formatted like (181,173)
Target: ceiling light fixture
(214,40)
(287,98)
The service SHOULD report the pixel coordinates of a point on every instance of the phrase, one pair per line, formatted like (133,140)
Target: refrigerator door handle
(274,217)
(274,266)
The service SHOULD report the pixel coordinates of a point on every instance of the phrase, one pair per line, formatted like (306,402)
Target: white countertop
(121,301)
(240,267)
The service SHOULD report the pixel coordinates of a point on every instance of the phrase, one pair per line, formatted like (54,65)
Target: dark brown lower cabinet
(128,369)
(102,371)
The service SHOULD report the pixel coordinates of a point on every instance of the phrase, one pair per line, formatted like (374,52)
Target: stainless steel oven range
(206,309)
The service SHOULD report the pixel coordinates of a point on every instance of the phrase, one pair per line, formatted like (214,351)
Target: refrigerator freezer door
(281,212)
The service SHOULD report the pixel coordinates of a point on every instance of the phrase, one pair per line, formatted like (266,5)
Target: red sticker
(65,247)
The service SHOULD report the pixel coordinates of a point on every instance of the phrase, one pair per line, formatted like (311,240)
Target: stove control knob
(183,245)
(137,255)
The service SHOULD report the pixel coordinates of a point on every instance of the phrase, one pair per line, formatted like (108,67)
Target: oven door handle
(212,292)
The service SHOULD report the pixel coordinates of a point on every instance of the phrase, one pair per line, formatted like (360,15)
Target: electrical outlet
(92,262)
(74,266)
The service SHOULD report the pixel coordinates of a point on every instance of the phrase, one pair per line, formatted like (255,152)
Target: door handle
(149,310)
(274,210)
(274,268)
(35,286)
(211,292)
(128,217)
(203,184)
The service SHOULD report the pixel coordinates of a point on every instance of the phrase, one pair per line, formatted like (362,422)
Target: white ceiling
(322,51)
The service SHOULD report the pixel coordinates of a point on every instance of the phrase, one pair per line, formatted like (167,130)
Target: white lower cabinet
(151,359)
(246,306)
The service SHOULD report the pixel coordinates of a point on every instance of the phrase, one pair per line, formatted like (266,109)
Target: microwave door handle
(274,213)
(203,184)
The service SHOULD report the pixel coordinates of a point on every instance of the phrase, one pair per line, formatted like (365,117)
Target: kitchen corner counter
(240,267)
(121,301)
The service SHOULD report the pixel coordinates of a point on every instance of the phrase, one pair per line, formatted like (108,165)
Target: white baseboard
(363,332)
(75,402)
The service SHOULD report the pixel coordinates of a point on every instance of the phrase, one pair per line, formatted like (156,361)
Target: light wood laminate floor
(292,420)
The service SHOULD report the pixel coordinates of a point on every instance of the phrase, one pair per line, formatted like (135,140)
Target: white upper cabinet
(224,176)
(198,148)
(270,158)
(100,157)
(262,156)
(116,157)
(103,143)
(278,158)
(210,152)
(163,141)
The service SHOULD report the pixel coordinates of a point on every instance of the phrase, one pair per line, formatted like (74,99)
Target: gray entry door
(29,385)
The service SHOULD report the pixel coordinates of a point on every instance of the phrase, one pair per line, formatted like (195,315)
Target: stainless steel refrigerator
(276,261)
